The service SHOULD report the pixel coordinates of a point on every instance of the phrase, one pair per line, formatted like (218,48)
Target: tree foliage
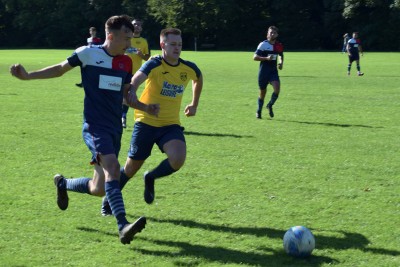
(228,24)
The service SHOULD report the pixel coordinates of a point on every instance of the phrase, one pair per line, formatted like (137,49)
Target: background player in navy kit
(268,52)
(354,49)
(92,40)
(346,39)
(106,75)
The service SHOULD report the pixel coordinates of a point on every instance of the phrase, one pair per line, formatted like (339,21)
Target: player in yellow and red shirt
(268,53)
(166,79)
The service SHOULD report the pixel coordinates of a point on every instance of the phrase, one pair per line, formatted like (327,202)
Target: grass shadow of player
(343,125)
(346,240)
(222,255)
(217,135)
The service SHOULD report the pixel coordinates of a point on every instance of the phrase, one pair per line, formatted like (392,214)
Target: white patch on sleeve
(110,83)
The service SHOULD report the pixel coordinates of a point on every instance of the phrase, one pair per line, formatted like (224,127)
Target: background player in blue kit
(354,49)
(268,53)
(346,39)
(92,40)
(106,75)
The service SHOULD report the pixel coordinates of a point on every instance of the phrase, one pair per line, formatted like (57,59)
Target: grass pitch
(329,160)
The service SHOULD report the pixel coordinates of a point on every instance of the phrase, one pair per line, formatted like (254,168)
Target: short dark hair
(273,28)
(116,23)
(165,32)
(93,29)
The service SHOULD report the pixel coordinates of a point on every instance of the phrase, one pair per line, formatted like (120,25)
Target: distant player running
(354,49)
(268,53)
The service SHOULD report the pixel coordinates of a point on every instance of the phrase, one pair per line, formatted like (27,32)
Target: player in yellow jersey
(138,52)
(166,79)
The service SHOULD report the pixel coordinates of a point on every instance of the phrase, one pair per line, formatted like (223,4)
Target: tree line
(206,24)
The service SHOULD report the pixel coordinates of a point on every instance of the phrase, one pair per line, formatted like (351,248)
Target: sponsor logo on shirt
(171,90)
(131,50)
(110,83)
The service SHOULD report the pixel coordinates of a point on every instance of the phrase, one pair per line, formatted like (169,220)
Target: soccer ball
(298,241)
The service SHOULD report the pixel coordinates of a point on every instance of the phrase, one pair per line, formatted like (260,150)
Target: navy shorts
(101,141)
(145,136)
(265,78)
(354,57)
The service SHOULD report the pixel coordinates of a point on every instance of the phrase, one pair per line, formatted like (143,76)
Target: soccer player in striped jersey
(354,49)
(166,77)
(269,52)
(106,75)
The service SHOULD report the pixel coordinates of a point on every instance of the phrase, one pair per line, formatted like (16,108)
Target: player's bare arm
(258,58)
(143,56)
(18,71)
(197,85)
(130,95)
(280,64)
(348,49)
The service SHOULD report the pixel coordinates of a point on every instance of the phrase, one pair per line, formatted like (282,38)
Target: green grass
(329,160)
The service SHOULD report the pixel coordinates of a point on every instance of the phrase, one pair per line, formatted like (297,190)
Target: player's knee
(98,191)
(177,162)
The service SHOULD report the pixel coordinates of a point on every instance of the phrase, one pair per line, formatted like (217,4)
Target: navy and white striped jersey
(353,45)
(103,78)
(265,49)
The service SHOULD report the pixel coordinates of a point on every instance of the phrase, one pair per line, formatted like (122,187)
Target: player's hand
(131,99)
(139,53)
(153,109)
(190,110)
(18,71)
(280,66)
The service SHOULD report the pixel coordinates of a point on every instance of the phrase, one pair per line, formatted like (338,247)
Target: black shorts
(145,136)
(354,57)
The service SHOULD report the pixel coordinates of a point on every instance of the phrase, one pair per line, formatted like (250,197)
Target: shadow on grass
(333,124)
(217,134)
(223,255)
(260,256)
(347,241)
(297,76)
(91,230)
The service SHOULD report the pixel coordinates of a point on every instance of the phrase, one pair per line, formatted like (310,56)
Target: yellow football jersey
(137,43)
(165,85)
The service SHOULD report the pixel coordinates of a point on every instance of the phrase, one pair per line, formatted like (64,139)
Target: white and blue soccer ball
(298,241)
